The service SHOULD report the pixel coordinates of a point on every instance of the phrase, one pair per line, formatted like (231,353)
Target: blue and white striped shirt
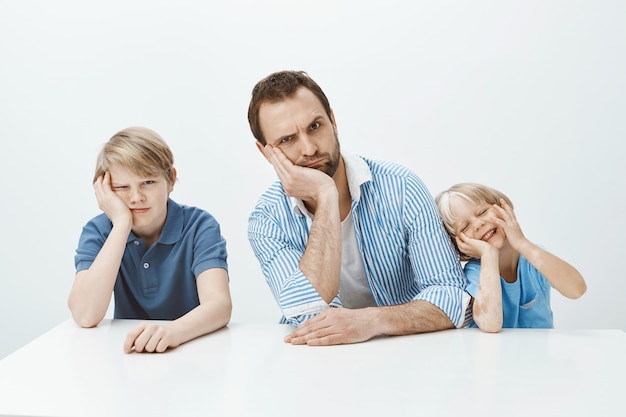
(406,253)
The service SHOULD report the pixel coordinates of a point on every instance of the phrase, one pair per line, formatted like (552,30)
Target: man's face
(300,127)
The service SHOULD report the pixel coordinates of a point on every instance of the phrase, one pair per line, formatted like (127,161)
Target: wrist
(490,252)
(523,246)
(122,224)
(327,194)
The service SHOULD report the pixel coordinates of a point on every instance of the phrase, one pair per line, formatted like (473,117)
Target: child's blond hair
(472,192)
(140,150)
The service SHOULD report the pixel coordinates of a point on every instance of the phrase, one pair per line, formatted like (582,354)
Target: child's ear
(173,179)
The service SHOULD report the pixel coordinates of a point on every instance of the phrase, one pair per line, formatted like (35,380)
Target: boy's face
(476,221)
(146,197)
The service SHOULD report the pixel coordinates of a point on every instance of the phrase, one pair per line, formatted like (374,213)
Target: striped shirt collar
(357,172)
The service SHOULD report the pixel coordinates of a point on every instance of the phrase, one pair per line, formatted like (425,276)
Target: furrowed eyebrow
(317,118)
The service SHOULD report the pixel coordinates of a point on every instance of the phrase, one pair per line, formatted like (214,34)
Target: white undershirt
(353,288)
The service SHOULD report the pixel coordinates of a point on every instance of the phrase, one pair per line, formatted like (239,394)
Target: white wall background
(527,96)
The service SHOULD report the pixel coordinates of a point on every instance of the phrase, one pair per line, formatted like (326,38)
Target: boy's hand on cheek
(474,248)
(508,222)
(109,202)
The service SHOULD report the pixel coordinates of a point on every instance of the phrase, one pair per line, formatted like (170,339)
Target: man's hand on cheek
(300,182)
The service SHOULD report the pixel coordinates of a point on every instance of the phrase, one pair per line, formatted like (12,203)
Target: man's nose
(308,145)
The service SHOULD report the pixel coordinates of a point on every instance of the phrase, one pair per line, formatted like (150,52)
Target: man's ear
(332,120)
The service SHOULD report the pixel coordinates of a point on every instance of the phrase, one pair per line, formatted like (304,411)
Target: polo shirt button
(146,265)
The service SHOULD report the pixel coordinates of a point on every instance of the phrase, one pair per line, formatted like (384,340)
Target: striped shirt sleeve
(278,238)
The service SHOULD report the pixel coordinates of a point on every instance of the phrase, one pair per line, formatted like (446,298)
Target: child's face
(476,221)
(146,197)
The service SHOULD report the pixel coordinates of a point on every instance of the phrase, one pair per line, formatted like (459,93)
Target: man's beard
(329,167)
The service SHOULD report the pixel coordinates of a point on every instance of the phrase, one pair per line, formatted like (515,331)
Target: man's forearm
(321,261)
(417,316)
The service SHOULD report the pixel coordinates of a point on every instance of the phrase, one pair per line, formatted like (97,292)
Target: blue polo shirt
(159,283)
(525,302)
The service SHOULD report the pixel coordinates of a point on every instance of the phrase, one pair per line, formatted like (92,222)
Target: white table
(247,370)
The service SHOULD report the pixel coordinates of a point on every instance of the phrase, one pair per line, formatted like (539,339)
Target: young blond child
(162,260)
(509,276)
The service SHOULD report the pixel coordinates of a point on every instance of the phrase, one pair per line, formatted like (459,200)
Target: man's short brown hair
(277,87)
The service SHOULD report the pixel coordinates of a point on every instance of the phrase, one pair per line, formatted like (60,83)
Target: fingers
(504,210)
(103,182)
(97,186)
(102,188)
(312,329)
(331,327)
(463,242)
(471,247)
(129,342)
(146,337)
(305,339)
(318,339)
(278,160)
(504,205)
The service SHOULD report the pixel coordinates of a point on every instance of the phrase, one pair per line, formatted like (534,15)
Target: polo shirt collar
(357,172)
(173,227)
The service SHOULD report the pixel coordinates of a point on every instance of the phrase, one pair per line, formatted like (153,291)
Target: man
(351,248)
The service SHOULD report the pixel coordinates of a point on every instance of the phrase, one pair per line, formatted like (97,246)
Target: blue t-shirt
(525,302)
(159,283)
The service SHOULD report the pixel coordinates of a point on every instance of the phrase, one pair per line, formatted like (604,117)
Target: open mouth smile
(488,235)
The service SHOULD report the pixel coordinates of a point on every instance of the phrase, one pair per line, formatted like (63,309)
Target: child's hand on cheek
(474,248)
(508,222)
(109,202)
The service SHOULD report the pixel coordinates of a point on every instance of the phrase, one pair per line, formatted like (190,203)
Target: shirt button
(136,243)
(146,265)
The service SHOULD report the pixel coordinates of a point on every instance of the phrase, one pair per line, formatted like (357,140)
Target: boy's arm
(487,308)
(92,289)
(561,275)
(213,313)
(91,292)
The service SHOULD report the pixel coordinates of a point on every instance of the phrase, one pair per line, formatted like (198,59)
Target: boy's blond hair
(472,192)
(140,150)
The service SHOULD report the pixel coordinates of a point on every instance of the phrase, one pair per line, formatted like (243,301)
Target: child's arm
(91,292)
(561,275)
(213,313)
(487,310)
